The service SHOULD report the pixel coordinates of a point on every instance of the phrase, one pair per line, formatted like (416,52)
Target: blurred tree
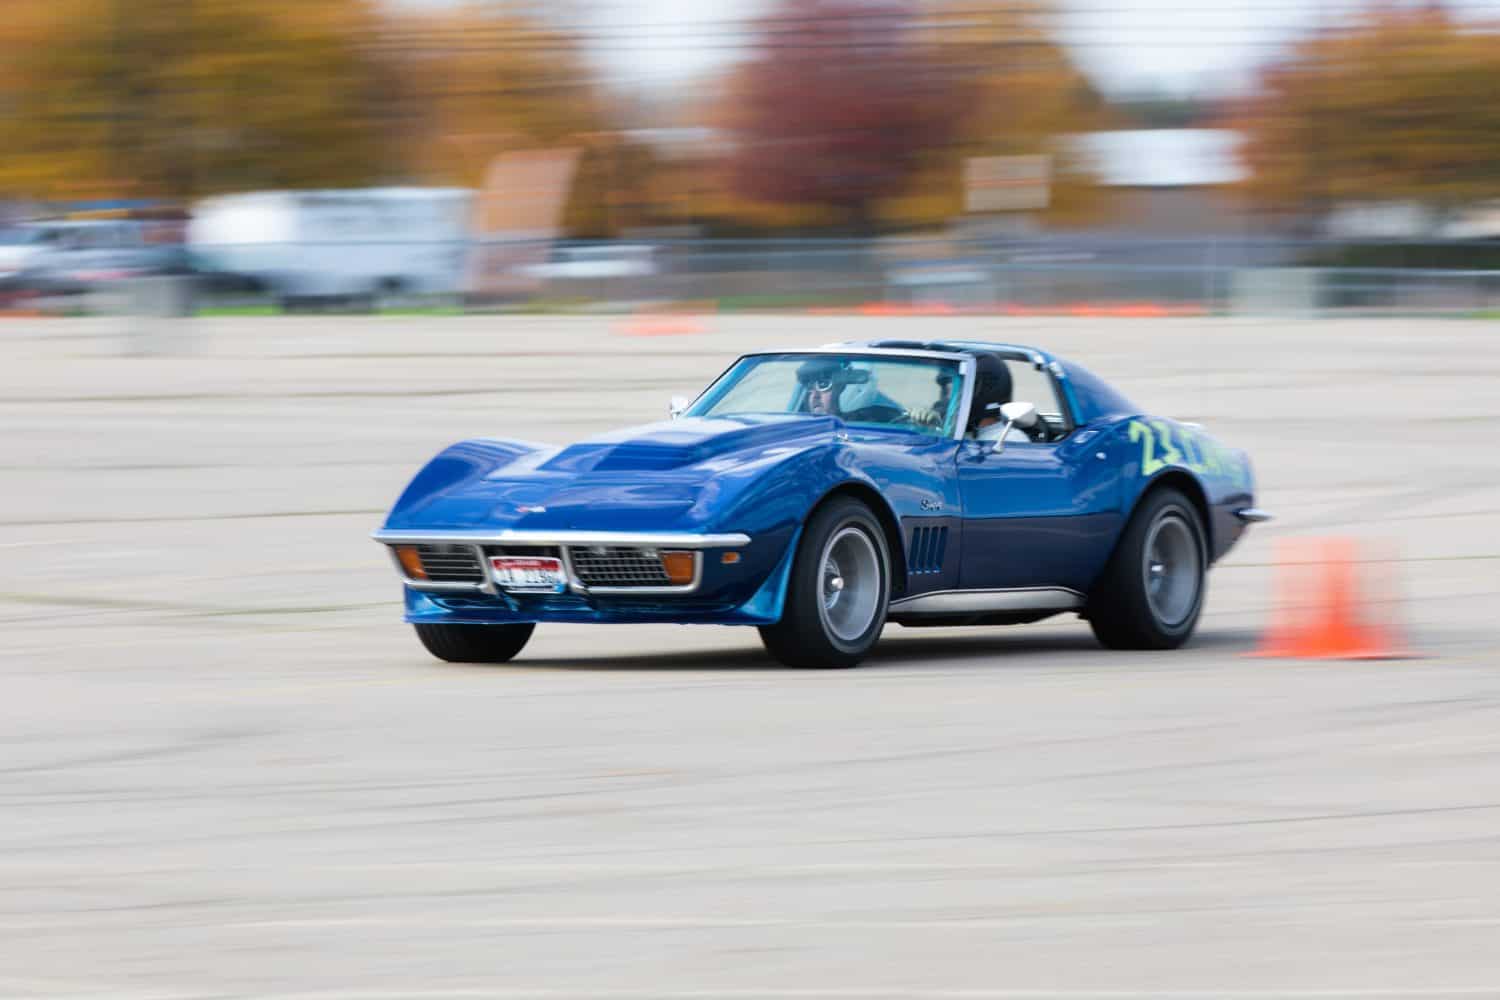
(837,109)
(477,81)
(612,190)
(473,82)
(1393,107)
(867,112)
(1021,95)
(184,97)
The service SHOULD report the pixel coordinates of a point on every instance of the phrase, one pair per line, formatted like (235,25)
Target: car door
(1036,514)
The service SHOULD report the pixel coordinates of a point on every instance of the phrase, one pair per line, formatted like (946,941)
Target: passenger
(937,414)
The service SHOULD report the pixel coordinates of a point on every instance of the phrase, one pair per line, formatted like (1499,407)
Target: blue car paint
(1098,407)
(1050,518)
(1038,515)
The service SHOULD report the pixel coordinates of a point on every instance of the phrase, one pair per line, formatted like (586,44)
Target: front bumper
(564,542)
(749,591)
(746,588)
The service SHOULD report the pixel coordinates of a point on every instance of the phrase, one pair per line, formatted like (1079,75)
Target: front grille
(450,563)
(616,566)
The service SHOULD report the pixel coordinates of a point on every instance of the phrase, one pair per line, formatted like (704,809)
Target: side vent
(927,548)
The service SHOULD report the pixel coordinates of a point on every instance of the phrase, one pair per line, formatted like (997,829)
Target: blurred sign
(1007,183)
(517,215)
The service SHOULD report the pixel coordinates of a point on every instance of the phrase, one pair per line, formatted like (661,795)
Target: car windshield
(914,394)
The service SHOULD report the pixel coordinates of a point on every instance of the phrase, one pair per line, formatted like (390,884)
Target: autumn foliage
(852,115)
(859,112)
(839,108)
(1399,105)
(161,97)
(180,98)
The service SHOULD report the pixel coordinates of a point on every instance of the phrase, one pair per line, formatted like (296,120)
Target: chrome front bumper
(563,541)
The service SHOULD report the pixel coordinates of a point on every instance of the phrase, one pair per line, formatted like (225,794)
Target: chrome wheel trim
(849,584)
(1172,569)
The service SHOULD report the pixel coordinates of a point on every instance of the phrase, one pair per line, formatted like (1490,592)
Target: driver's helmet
(830,373)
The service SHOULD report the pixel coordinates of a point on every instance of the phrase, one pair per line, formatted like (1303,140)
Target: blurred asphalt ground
(229,770)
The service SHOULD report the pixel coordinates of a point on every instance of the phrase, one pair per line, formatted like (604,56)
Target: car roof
(1020,351)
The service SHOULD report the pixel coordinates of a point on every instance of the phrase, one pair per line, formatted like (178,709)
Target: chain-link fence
(1080,275)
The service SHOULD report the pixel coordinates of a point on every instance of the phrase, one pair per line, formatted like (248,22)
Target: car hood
(668,476)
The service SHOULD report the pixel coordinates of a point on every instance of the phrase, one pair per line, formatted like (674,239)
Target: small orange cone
(1324,614)
(660,324)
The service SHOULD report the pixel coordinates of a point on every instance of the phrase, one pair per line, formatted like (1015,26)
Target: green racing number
(1180,446)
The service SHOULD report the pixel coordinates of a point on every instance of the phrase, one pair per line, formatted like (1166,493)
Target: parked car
(595,261)
(18,245)
(354,246)
(819,494)
(68,258)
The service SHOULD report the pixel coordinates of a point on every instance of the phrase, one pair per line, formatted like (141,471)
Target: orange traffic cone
(660,324)
(1323,613)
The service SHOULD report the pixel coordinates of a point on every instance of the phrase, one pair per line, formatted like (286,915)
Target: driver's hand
(924,417)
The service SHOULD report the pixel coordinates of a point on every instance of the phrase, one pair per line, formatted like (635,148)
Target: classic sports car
(820,494)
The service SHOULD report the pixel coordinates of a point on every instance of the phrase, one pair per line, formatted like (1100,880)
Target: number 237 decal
(1163,445)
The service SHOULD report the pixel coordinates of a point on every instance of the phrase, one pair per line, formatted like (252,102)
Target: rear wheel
(474,643)
(839,590)
(1151,592)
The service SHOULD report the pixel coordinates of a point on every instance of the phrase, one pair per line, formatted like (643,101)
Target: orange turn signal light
(679,567)
(411,562)
(729,558)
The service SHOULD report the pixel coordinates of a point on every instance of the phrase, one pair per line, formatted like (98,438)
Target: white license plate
(542,573)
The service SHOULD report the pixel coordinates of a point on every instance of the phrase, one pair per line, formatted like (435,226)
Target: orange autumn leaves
(180,98)
(1396,105)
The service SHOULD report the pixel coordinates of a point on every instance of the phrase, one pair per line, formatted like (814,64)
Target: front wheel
(1151,592)
(839,590)
(474,643)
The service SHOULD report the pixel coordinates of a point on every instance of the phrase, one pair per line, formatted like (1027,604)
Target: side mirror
(1021,415)
(677,405)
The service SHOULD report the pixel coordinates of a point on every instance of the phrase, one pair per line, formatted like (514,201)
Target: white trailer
(356,245)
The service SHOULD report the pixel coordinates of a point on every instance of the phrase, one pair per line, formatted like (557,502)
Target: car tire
(838,593)
(474,643)
(1151,592)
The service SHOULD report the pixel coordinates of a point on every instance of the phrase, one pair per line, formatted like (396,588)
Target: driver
(834,387)
(823,379)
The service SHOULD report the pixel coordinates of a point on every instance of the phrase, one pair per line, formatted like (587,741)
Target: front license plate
(542,573)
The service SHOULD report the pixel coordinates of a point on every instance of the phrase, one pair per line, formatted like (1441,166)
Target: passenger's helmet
(992,389)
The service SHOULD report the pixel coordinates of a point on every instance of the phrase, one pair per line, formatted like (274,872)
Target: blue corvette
(820,494)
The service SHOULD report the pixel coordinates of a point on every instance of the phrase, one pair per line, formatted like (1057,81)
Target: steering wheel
(879,413)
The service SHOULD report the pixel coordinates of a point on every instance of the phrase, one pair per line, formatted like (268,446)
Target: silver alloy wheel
(1173,569)
(850,581)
